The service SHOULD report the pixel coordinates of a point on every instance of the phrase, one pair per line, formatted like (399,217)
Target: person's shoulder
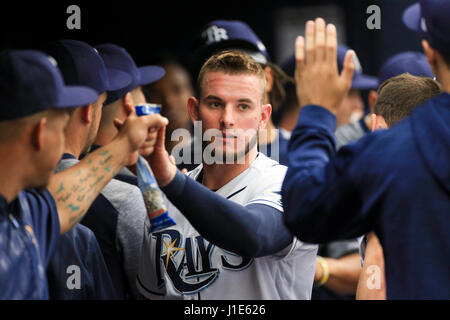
(264,165)
(121,194)
(265,171)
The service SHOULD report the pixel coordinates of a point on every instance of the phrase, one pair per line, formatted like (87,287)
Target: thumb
(348,67)
(161,139)
(172,160)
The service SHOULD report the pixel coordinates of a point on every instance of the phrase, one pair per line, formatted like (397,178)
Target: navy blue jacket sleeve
(320,197)
(252,231)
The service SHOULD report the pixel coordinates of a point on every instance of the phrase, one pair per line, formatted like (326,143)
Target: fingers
(155,121)
(309,34)
(348,68)
(321,43)
(299,54)
(320,53)
(331,45)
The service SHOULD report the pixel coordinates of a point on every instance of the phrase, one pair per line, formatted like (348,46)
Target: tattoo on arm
(87,187)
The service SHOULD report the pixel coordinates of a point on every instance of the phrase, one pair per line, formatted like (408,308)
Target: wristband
(325,271)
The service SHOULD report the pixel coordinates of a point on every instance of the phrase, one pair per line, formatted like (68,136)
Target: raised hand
(316,74)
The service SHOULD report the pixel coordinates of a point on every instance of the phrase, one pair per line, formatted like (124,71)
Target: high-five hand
(316,75)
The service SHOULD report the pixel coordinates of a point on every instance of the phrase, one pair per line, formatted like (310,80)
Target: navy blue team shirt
(395,182)
(29,233)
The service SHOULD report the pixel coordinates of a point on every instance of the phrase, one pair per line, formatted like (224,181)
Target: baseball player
(221,35)
(394,182)
(119,101)
(80,64)
(338,263)
(32,121)
(229,241)
(397,97)
(117,215)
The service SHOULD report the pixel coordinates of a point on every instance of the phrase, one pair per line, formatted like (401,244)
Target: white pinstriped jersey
(178,263)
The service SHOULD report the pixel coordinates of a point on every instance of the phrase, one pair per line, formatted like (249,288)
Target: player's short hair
(232,62)
(399,95)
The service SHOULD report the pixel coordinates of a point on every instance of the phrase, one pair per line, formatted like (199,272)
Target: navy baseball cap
(81,64)
(118,58)
(30,82)
(360,81)
(221,35)
(415,63)
(431,18)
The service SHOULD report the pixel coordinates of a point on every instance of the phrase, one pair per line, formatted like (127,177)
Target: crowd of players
(321,207)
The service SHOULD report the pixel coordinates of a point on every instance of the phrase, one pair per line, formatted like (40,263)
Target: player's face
(233,105)
(52,147)
(352,108)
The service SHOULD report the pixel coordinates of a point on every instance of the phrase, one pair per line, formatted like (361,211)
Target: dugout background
(145,27)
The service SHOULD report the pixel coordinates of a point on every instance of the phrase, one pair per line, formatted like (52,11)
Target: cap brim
(117,79)
(361,81)
(74,96)
(411,16)
(150,74)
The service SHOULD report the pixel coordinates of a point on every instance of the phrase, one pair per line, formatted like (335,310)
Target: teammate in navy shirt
(34,103)
(81,64)
(395,182)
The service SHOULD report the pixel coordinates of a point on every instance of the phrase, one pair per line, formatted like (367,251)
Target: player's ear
(266,111)
(38,134)
(380,123)
(430,54)
(372,98)
(193,106)
(126,107)
(128,99)
(87,113)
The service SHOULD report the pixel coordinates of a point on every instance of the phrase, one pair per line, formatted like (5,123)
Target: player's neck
(215,176)
(269,134)
(12,181)
(73,147)
(105,135)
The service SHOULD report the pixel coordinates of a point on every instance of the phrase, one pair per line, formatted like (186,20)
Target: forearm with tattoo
(76,188)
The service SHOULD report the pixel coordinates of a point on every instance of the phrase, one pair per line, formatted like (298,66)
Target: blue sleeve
(255,230)
(45,221)
(320,199)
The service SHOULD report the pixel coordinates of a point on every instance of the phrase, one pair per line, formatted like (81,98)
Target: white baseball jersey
(178,263)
